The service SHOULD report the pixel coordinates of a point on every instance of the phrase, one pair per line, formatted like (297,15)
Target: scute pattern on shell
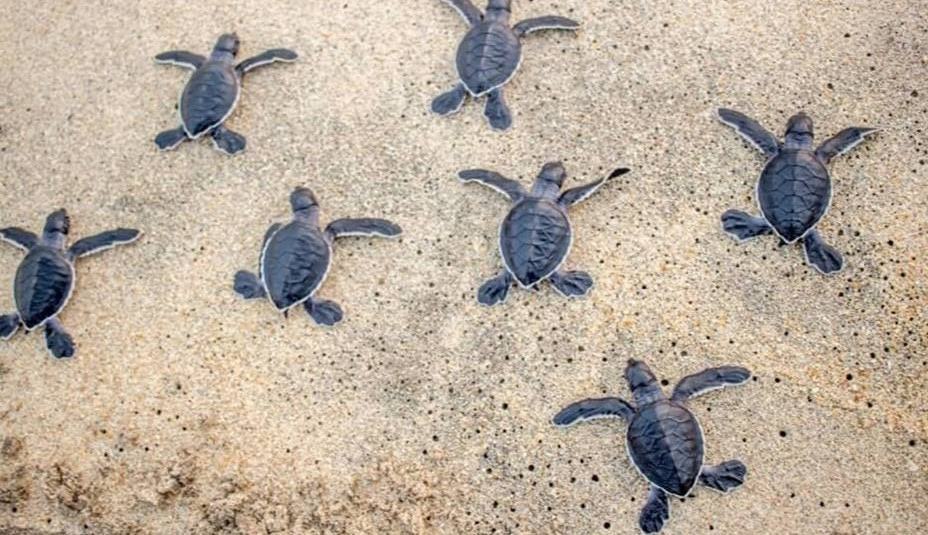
(794,192)
(208,97)
(42,285)
(666,443)
(487,57)
(294,263)
(534,239)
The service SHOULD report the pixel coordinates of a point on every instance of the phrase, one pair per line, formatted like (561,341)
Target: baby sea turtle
(663,438)
(45,278)
(212,93)
(296,257)
(489,56)
(794,190)
(535,237)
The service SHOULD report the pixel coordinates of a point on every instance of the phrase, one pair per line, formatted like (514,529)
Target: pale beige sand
(188,410)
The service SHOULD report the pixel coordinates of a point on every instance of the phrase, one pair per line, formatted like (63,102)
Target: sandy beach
(190,410)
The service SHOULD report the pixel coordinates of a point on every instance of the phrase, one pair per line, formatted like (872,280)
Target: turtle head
(642,382)
(227,44)
(799,132)
(550,179)
(57,226)
(554,173)
(499,9)
(304,203)
(58,222)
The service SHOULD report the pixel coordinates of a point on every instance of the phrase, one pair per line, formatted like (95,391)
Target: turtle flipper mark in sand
(489,56)
(45,278)
(795,188)
(212,93)
(663,437)
(296,257)
(536,235)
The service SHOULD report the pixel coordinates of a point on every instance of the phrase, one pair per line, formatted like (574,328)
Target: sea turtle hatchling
(296,257)
(45,278)
(794,189)
(535,236)
(663,438)
(212,93)
(489,56)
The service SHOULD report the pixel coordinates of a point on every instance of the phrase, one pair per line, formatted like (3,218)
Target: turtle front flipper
(103,241)
(708,380)
(495,290)
(725,477)
(450,102)
(843,142)
(755,134)
(227,141)
(323,312)
(170,139)
(18,237)
(181,58)
(656,511)
(743,226)
(580,193)
(528,26)
(266,58)
(59,343)
(572,283)
(9,324)
(363,226)
(820,255)
(496,110)
(247,285)
(466,9)
(490,179)
(593,409)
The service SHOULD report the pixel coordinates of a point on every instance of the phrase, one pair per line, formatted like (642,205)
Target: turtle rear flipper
(495,290)
(724,477)
(744,226)
(572,283)
(247,285)
(9,324)
(59,343)
(656,511)
(451,101)
(228,141)
(170,139)
(820,255)
(496,111)
(323,312)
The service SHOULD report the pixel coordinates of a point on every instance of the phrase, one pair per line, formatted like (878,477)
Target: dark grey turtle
(296,257)
(212,93)
(794,190)
(535,236)
(45,278)
(489,56)
(663,439)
